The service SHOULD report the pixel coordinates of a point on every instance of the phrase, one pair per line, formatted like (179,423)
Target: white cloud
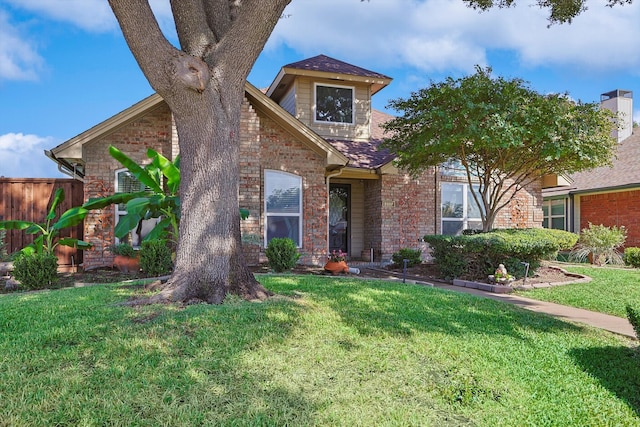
(437,35)
(90,15)
(23,156)
(18,59)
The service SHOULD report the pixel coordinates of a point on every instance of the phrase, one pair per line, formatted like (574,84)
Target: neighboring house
(311,169)
(607,195)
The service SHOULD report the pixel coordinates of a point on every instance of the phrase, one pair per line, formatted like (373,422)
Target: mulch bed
(423,272)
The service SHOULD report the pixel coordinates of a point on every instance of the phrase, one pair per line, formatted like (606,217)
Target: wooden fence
(29,199)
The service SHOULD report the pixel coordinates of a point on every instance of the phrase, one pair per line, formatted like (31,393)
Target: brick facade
(398,210)
(618,209)
(153,130)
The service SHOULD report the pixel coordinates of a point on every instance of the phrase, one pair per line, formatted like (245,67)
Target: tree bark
(204,87)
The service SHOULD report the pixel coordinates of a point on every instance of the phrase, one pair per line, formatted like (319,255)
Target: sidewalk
(607,322)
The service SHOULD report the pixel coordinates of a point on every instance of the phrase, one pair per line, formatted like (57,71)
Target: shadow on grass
(616,368)
(378,306)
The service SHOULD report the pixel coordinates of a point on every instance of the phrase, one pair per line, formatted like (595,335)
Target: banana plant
(156,201)
(49,231)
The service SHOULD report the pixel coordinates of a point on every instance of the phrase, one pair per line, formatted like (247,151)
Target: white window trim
(465,207)
(267,214)
(353,104)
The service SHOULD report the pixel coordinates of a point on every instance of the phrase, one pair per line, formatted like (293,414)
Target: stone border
(502,289)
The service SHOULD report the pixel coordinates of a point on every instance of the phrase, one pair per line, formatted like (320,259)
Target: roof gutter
(65,167)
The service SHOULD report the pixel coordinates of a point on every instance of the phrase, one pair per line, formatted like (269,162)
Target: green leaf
(125,224)
(71,217)
(168,169)
(244,213)
(74,243)
(139,172)
(57,199)
(15,225)
(103,202)
(159,230)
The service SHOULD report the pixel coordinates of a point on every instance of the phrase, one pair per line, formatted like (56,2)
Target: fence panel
(30,199)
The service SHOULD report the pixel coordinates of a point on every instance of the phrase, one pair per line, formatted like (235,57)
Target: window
(127,183)
(334,104)
(554,215)
(459,209)
(283,206)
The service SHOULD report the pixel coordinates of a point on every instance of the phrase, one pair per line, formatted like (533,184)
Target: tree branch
(194,32)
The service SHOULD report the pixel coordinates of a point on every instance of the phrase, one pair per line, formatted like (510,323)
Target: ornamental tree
(503,134)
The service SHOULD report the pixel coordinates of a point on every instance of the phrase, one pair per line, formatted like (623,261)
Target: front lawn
(325,352)
(609,292)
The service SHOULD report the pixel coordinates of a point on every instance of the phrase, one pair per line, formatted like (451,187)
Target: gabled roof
(69,154)
(322,66)
(624,173)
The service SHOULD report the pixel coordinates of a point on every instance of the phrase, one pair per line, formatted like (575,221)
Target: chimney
(621,103)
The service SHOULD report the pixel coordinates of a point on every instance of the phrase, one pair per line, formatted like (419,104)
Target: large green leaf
(57,199)
(125,224)
(140,173)
(168,169)
(15,225)
(159,230)
(71,217)
(103,202)
(74,243)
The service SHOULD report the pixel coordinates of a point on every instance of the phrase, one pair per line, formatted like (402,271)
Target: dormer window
(334,104)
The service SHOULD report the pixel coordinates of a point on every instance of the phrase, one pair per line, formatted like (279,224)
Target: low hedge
(476,256)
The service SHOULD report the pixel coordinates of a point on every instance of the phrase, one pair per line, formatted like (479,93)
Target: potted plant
(126,258)
(336,262)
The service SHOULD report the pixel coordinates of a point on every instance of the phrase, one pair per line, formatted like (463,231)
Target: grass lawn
(609,292)
(324,352)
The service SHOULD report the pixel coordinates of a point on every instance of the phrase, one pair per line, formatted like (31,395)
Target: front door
(339,201)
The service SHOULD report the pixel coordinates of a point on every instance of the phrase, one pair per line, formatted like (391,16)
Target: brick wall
(613,209)
(154,130)
(406,212)
(280,151)
(524,210)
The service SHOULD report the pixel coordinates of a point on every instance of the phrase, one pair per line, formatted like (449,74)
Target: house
(311,169)
(606,195)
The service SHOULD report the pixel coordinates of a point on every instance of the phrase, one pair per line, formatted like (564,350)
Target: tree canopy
(503,133)
(560,11)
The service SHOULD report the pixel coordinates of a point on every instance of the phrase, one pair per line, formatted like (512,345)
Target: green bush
(413,255)
(36,271)
(476,256)
(282,254)
(631,257)
(634,319)
(123,249)
(601,243)
(155,258)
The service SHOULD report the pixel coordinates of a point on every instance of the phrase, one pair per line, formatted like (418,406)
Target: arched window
(283,206)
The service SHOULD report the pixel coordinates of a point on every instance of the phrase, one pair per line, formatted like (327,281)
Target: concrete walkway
(607,322)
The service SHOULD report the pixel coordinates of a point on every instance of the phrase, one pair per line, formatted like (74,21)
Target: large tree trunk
(204,86)
(209,261)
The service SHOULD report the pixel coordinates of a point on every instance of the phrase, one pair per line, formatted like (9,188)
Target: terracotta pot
(336,267)
(127,264)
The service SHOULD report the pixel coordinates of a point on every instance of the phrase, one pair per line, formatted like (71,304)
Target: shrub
(631,257)
(282,254)
(155,258)
(37,270)
(123,249)
(413,255)
(476,256)
(601,243)
(634,319)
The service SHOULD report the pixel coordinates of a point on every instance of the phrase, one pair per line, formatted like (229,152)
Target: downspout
(327,181)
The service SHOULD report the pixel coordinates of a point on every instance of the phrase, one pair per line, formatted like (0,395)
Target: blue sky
(64,66)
